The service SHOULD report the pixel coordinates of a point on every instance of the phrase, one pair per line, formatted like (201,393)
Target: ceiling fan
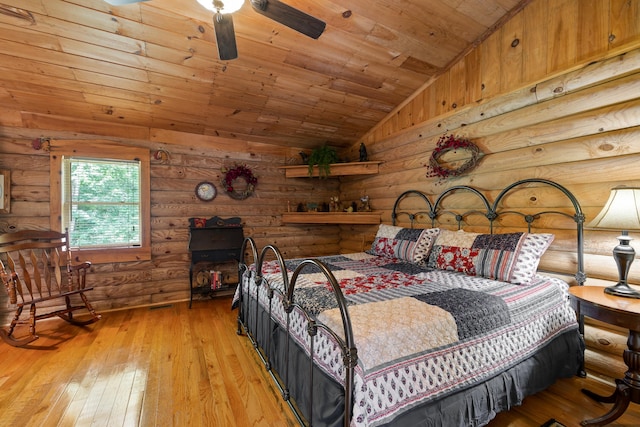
(273,9)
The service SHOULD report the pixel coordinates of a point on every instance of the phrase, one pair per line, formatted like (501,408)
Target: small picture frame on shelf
(5,191)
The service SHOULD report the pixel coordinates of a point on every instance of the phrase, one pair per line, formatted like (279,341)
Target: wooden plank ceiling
(155,64)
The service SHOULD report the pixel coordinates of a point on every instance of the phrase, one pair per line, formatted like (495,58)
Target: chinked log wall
(553,94)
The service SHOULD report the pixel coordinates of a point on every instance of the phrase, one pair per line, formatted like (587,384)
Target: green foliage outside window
(103,203)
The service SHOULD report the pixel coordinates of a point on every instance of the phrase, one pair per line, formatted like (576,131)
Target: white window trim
(106,150)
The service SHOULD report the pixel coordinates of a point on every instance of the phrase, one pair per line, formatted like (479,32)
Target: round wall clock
(206,191)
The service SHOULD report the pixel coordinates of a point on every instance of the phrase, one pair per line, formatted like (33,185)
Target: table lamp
(622,212)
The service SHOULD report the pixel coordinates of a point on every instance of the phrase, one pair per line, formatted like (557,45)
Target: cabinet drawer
(220,255)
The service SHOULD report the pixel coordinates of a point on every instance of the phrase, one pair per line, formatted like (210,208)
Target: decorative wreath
(452,143)
(239,172)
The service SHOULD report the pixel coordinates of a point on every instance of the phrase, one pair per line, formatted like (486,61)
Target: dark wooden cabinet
(213,242)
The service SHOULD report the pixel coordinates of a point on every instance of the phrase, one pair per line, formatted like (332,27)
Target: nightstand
(591,301)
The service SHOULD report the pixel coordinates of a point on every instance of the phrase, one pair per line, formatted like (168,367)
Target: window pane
(95,225)
(102,202)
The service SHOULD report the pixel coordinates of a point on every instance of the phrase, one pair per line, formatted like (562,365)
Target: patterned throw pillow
(510,257)
(533,247)
(452,251)
(425,245)
(408,244)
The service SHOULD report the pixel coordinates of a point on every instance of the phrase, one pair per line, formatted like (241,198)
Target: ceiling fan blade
(290,16)
(121,2)
(225,36)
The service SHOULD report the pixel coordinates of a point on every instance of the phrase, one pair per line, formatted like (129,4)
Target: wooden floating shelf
(336,169)
(331,217)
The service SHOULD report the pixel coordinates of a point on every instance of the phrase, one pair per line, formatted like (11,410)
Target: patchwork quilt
(421,333)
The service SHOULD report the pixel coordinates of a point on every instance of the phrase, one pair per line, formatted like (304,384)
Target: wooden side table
(591,301)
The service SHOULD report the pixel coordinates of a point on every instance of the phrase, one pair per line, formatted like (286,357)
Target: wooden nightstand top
(591,301)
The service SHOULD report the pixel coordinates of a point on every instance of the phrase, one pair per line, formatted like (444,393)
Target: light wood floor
(171,366)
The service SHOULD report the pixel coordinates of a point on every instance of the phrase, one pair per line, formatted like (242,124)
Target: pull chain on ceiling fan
(272,9)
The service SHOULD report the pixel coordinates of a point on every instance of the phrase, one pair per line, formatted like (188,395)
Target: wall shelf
(331,217)
(337,169)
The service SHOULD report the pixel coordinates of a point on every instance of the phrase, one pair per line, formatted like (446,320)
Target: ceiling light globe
(228,6)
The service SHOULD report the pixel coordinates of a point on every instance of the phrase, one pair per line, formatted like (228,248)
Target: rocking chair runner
(36,267)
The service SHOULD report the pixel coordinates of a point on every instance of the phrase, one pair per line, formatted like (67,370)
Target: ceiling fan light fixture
(226,6)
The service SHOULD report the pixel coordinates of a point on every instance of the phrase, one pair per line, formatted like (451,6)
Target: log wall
(555,93)
(191,159)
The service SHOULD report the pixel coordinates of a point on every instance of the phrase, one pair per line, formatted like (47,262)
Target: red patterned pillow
(453,258)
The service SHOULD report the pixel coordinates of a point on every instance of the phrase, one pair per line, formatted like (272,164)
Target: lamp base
(622,290)
(624,254)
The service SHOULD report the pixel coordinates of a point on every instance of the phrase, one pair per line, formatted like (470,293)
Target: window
(100,192)
(101,202)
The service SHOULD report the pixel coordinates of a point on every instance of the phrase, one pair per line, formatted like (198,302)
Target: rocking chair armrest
(78,273)
(83,266)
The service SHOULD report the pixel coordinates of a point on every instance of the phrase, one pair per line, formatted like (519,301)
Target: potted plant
(322,157)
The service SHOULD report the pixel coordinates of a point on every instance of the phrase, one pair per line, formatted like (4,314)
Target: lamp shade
(622,211)
(224,6)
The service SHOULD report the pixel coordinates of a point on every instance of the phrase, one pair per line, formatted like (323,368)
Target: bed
(433,325)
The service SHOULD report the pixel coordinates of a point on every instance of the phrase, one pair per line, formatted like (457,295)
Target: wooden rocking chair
(36,267)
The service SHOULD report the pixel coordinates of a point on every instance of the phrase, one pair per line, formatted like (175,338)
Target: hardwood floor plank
(172,366)
(127,411)
(160,367)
